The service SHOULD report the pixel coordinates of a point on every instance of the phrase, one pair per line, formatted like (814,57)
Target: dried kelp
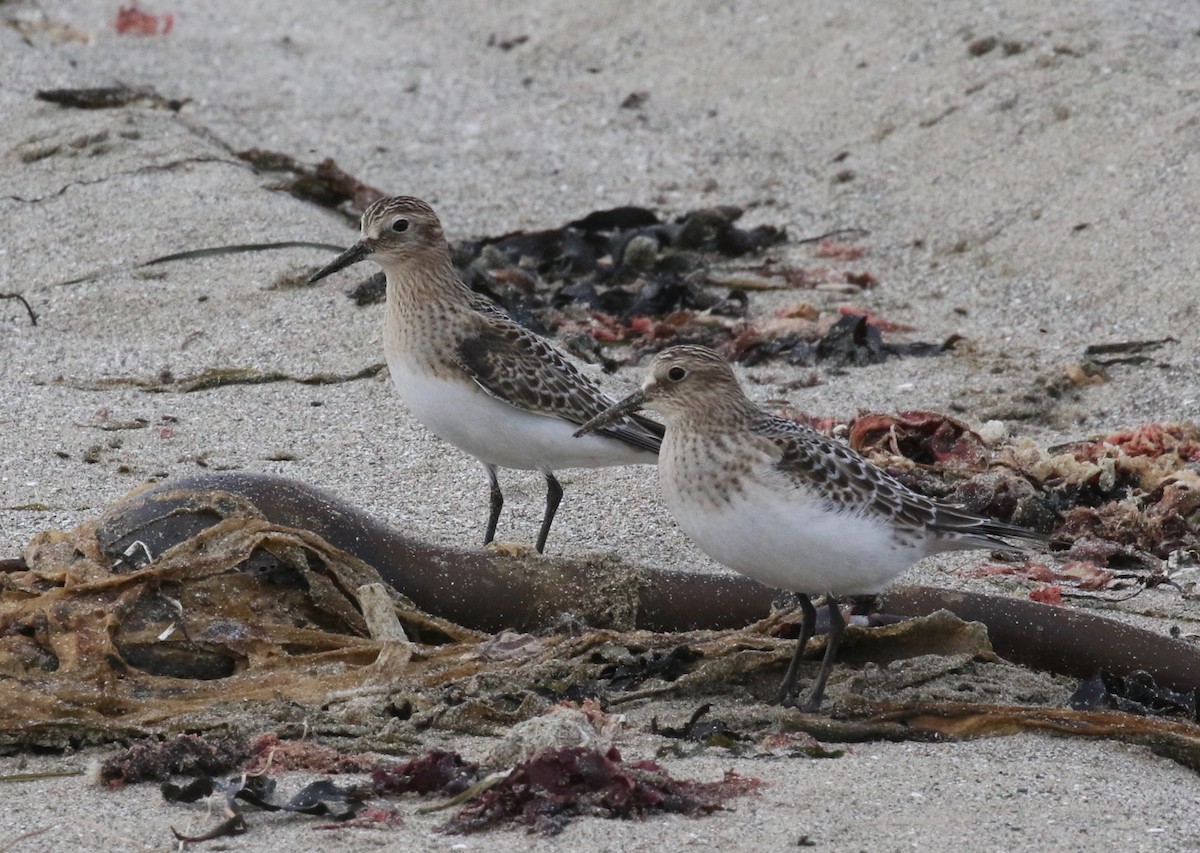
(94,648)
(854,340)
(243,610)
(509,590)
(23,301)
(110,97)
(220,377)
(325,184)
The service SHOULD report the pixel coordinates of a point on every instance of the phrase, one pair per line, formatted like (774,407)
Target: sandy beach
(1023,176)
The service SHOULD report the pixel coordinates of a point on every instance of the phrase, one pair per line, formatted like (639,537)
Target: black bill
(614,413)
(351,256)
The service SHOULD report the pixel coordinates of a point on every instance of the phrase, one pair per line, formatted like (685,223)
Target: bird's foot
(511,549)
(812,705)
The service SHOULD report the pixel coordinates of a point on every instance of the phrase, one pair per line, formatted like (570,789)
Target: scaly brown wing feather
(848,481)
(526,371)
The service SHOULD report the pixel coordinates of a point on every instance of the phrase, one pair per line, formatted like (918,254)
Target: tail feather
(986,532)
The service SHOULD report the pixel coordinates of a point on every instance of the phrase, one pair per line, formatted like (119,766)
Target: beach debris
(923,437)
(23,301)
(853,340)
(159,758)
(1083,575)
(622,282)
(35,23)
(507,44)
(142,268)
(511,645)
(566,724)
(981,46)
(1048,594)
(841,251)
(635,100)
(270,752)
(155,759)
(1139,488)
(325,184)
(632,670)
(204,759)
(264,622)
(132,20)
(555,784)
(709,732)
(796,745)
(109,97)
(558,784)
(1181,441)
(437,771)
(1057,639)
(1077,374)
(1175,739)
(322,798)
(1125,352)
(215,377)
(1135,693)
(543,790)
(371,817)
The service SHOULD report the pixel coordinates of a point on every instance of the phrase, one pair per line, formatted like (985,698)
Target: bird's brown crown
(401,225)
(691,379)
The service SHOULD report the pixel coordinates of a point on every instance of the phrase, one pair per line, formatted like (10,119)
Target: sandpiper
(475,377)
(785,505)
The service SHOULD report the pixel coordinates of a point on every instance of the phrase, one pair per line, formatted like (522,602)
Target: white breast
(497,433)
(784,536)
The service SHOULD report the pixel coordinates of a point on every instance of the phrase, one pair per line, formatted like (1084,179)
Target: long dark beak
(614,413)
(351,256)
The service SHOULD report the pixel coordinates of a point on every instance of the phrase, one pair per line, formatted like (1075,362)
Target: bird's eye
(400,226)
(676,373)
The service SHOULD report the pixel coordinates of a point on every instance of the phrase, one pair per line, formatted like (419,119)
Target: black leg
(787,691)
(837,626)
(497,504)
(554,495)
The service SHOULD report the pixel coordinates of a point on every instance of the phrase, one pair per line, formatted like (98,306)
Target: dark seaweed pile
(625,278)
